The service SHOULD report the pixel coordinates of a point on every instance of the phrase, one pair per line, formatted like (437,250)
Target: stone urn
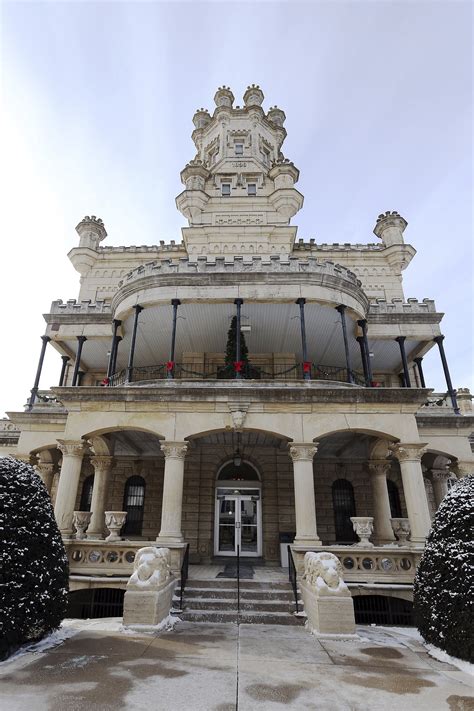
(114,521)
(401,528)
(81,520)
(363,528)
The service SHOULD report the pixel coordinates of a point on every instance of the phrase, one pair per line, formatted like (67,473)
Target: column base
(170,538)
(309,542)
(68,535)
(95,536)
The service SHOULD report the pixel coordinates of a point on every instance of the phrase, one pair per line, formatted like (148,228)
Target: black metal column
(363,324)
(114,363)
(75,376)
(175,303)
(306,372)
(113,349)
(34,389)
(452,393)
(342,311)
(65,360)
(418,362)
(363,358)
(238,373)
(131,354)
(406,375)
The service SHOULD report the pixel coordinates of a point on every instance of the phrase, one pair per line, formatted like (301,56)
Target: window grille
(134,504)
(344,507)
(394,498)
(86,494)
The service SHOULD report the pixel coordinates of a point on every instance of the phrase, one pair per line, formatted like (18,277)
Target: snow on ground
(443,656)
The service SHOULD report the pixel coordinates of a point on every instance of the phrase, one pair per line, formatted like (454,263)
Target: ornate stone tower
(239,191)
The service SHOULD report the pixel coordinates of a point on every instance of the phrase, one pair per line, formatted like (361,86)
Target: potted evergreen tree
(231,364)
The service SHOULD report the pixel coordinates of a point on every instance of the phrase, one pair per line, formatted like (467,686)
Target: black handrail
(238,579)
(292,577)
(184,574)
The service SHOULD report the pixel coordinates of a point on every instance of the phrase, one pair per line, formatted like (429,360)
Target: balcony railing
(247,371)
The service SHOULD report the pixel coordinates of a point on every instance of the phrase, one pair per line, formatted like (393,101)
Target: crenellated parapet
(80,307)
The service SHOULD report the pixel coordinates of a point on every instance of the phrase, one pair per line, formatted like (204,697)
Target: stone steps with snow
(216,601)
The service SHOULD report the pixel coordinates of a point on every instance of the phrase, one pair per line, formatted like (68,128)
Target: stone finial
(224,97)
(276,116)
(390,227)
(464,398)
(201,118)
(91,231)
(253,96)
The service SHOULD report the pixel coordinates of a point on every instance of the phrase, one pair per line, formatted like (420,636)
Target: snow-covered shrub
(444,582)
(33,562)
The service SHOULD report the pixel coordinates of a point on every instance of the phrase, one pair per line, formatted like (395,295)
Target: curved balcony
(253,278)
(273,372)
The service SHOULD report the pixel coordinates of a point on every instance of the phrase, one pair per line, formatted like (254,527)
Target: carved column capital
(441,474)
(102,462)
(302,451)
(408,452)
(174,450)
(71,448)
(379,467)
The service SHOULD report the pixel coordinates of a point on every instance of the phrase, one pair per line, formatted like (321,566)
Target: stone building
(159,411)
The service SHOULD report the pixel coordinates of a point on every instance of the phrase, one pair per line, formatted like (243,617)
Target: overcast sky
(98,99)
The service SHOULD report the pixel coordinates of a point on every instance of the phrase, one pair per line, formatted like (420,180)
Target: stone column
(172,504)
(73,452)
(382,514)
(463,469)
(46,472)
(439,482)
(302,454)
(409,456)
(102,467)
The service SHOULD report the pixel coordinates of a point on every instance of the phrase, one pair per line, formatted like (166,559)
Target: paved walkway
(232,668)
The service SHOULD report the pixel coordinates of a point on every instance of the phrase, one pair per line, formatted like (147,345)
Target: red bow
(307,366)
(169,365)
(238,365)
(105,381)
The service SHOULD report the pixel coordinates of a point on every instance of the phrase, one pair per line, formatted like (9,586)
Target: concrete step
(224,594)
(230,584)
(245,617)
(230,605)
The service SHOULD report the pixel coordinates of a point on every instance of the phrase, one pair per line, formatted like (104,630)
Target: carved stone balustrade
(99,558)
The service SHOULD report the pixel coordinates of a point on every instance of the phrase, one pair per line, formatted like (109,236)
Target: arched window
(344,507)
(133,504)
(394,498)
(238,472)
(86,493)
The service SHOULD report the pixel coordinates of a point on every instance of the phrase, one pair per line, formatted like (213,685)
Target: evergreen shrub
(33,563)
(444,582)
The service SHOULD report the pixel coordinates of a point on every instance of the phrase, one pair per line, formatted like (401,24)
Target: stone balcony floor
(225,667)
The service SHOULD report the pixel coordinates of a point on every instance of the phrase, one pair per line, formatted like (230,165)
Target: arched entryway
(238,510)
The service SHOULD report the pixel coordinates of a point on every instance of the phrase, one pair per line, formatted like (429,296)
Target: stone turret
(240,191)
(91,231)
(390,227)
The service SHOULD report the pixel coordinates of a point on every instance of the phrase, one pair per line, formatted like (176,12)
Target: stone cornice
(40,418)
(450,421)
(290,393)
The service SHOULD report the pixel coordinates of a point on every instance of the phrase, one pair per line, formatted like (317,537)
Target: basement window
(225,189)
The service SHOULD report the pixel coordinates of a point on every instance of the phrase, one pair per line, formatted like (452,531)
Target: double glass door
(238,523)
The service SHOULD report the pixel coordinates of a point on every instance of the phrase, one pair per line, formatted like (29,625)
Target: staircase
(270,603)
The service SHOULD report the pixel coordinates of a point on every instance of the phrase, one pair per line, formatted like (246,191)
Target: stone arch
(379,434)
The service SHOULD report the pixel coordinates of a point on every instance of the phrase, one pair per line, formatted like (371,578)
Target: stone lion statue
(152,568)
(323,571)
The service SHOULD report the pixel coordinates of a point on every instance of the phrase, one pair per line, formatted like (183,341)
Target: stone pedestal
(327,601)
(150,590)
